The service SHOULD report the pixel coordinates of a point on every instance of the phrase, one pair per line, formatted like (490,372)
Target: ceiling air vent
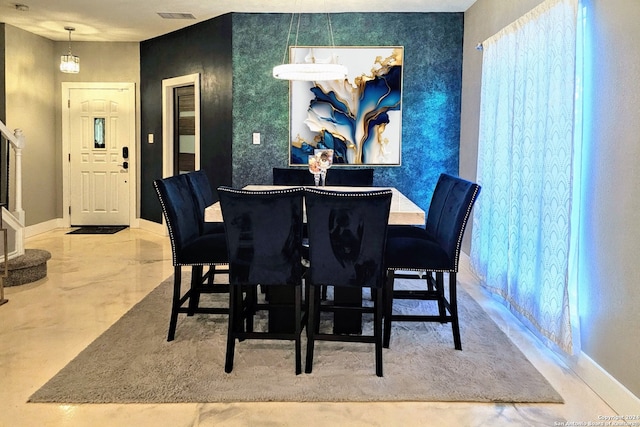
(173,15)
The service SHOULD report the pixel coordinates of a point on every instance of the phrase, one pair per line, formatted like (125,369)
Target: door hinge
(68,103)
(69,210)
(69,156)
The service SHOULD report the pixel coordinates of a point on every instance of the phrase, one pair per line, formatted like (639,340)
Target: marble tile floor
(93,280)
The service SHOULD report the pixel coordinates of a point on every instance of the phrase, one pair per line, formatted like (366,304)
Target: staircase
(27,268)
(17,265)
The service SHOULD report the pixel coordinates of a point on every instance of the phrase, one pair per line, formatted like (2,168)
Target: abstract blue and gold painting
(359,118)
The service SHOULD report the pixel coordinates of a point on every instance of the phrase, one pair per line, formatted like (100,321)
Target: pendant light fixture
(312,69)
(69,63)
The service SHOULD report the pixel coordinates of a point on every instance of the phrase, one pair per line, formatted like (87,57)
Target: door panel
(99,128)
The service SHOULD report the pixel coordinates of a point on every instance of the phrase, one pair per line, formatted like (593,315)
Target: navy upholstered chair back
(336,176)
(292,176)
(347,238)
(449,211)
(203,197)
(360,177)
(347,234)
(201,189)
(179,212)
(264,235)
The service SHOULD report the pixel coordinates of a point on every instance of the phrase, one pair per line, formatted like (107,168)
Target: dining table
(403,211)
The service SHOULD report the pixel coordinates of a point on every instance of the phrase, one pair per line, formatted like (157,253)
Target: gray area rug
(132,362)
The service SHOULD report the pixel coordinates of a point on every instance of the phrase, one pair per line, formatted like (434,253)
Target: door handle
(124,165)
(125,152)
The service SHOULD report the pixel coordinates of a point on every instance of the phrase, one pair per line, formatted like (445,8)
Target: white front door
(101,147)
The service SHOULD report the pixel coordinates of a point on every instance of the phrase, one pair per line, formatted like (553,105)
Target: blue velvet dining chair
(203,196)
(292,176)
(189,248)
(336,176)
(347,237)
(434,250)
(353,177)
(264,240)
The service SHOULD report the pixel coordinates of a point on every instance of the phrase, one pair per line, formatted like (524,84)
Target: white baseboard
(614,393)
(43,227)
(153,227)
(621,400)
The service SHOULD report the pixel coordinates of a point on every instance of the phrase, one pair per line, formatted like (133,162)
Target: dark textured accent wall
(203,48)
(432,84)
(235,54)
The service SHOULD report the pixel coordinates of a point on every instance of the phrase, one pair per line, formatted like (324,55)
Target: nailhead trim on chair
(273,191)
(421,269)
(458,242)
(464,225)
(364,193)
(164,212)
(171,237)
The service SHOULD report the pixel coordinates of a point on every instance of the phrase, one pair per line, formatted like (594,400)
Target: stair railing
(5,269)
(16,141)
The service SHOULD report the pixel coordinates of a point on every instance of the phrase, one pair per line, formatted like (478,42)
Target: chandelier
(312,69)
(69,63)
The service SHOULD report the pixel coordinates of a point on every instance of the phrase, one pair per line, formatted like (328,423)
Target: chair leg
(388,307)
(311,328)
(231,329)
(194,292)
(429,276)
(250,306)
(211,274)
(442,309)
(377,331)
(317,299)
(175,303)
(453,308)
(298,330)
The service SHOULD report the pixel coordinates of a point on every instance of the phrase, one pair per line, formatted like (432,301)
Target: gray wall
(33,103)
(610,273)
(99,62)
(29,93)
(609,270)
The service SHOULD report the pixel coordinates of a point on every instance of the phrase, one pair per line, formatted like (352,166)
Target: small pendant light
(69,63)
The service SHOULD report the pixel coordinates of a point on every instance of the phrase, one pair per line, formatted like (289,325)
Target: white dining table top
(403,210)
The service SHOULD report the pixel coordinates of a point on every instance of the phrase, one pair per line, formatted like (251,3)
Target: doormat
(99,229)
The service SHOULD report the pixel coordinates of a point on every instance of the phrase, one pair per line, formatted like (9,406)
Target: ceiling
(134,21)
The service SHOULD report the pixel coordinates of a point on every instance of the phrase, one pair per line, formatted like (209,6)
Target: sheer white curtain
(522,226)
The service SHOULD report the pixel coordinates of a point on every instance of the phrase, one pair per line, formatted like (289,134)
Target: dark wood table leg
(281,320)
(347,322)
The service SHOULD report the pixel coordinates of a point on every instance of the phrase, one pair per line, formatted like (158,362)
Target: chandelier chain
(330,30)
(286,44)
